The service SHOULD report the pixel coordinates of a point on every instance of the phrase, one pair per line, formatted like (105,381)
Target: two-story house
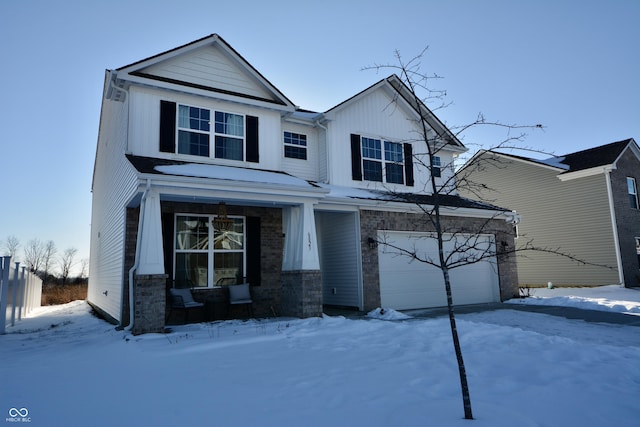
(582,204)
(207,175)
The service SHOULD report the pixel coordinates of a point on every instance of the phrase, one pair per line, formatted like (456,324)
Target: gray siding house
(206,175)
(585,204)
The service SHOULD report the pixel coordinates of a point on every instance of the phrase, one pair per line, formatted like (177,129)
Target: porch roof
(157,166)
(446,200)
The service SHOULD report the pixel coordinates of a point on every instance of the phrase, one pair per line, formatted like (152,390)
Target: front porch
(195,256)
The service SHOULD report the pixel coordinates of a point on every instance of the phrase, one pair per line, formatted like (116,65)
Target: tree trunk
(466,398)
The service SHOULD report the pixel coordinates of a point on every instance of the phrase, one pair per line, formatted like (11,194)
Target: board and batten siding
(114,184)
(338,245)
(377,116)
(572,217)
(210,67)
(145,127)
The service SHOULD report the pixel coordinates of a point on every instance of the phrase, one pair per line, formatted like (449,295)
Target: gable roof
(395,85)
(593,157)
(584,160)
(208,64)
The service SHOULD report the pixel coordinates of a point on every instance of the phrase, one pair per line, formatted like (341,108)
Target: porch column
(300,244)
(150,277)
(151,252)
(301,279)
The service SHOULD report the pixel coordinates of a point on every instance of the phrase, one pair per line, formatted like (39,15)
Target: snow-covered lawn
(66,367)
(602,298)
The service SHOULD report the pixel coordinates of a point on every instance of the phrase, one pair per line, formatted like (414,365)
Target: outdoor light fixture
(222,221)
(373,243)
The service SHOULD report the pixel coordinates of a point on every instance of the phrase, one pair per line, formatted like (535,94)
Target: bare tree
(84,266)
(48,258)
(33,254)
(11,246)
(66,263)
(457,247)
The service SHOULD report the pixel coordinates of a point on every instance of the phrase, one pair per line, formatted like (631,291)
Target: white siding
(571,216)
(339,252)
(211,67)
(377,116)
(145,127)
(305,169)
(114,183)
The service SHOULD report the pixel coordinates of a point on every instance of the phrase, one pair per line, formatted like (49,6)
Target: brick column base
(150,300)
(301,293)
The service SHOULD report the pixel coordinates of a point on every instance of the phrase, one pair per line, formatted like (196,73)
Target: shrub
(62,294)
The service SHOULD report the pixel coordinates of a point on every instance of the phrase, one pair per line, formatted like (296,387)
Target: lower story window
(205,255)
(638,250)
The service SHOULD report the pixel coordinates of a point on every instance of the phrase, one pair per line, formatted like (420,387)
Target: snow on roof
(556,162)
(339,192)
(231,173)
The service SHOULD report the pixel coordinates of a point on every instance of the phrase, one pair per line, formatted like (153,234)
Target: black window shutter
(253,250)
(253,151)
(167,127)
(167,240)
(408,164)
(356,158)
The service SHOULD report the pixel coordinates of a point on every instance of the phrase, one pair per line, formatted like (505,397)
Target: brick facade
(287,293)
(372,221)
(301,293)
(149,297)
(627,219)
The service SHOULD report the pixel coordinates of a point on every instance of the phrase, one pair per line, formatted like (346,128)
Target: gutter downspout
(614,225)
(326,147)
(136,262)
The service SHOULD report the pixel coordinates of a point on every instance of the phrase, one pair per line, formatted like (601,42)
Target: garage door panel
(407,284)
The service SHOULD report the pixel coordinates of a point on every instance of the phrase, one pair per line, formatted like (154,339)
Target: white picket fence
(20,292)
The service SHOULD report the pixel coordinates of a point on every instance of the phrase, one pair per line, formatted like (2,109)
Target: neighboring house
(583,204)
(207,175)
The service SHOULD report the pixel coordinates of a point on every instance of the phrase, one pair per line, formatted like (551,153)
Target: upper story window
(381,161)
(229,136)
(375,160)
(232,136)
(193,131)
(295,145)
(633,192)
(394,169)
(436,166)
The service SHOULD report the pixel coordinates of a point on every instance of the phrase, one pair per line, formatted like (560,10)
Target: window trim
(302,148)
(436,169)
(382,160)
(632,190)
(211,133)
(211,251)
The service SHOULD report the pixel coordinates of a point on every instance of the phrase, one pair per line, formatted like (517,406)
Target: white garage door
(407,284)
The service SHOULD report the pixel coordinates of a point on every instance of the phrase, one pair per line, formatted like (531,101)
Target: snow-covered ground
(602,298)
(63,366)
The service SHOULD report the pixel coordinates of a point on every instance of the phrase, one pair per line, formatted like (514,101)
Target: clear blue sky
(571,66)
